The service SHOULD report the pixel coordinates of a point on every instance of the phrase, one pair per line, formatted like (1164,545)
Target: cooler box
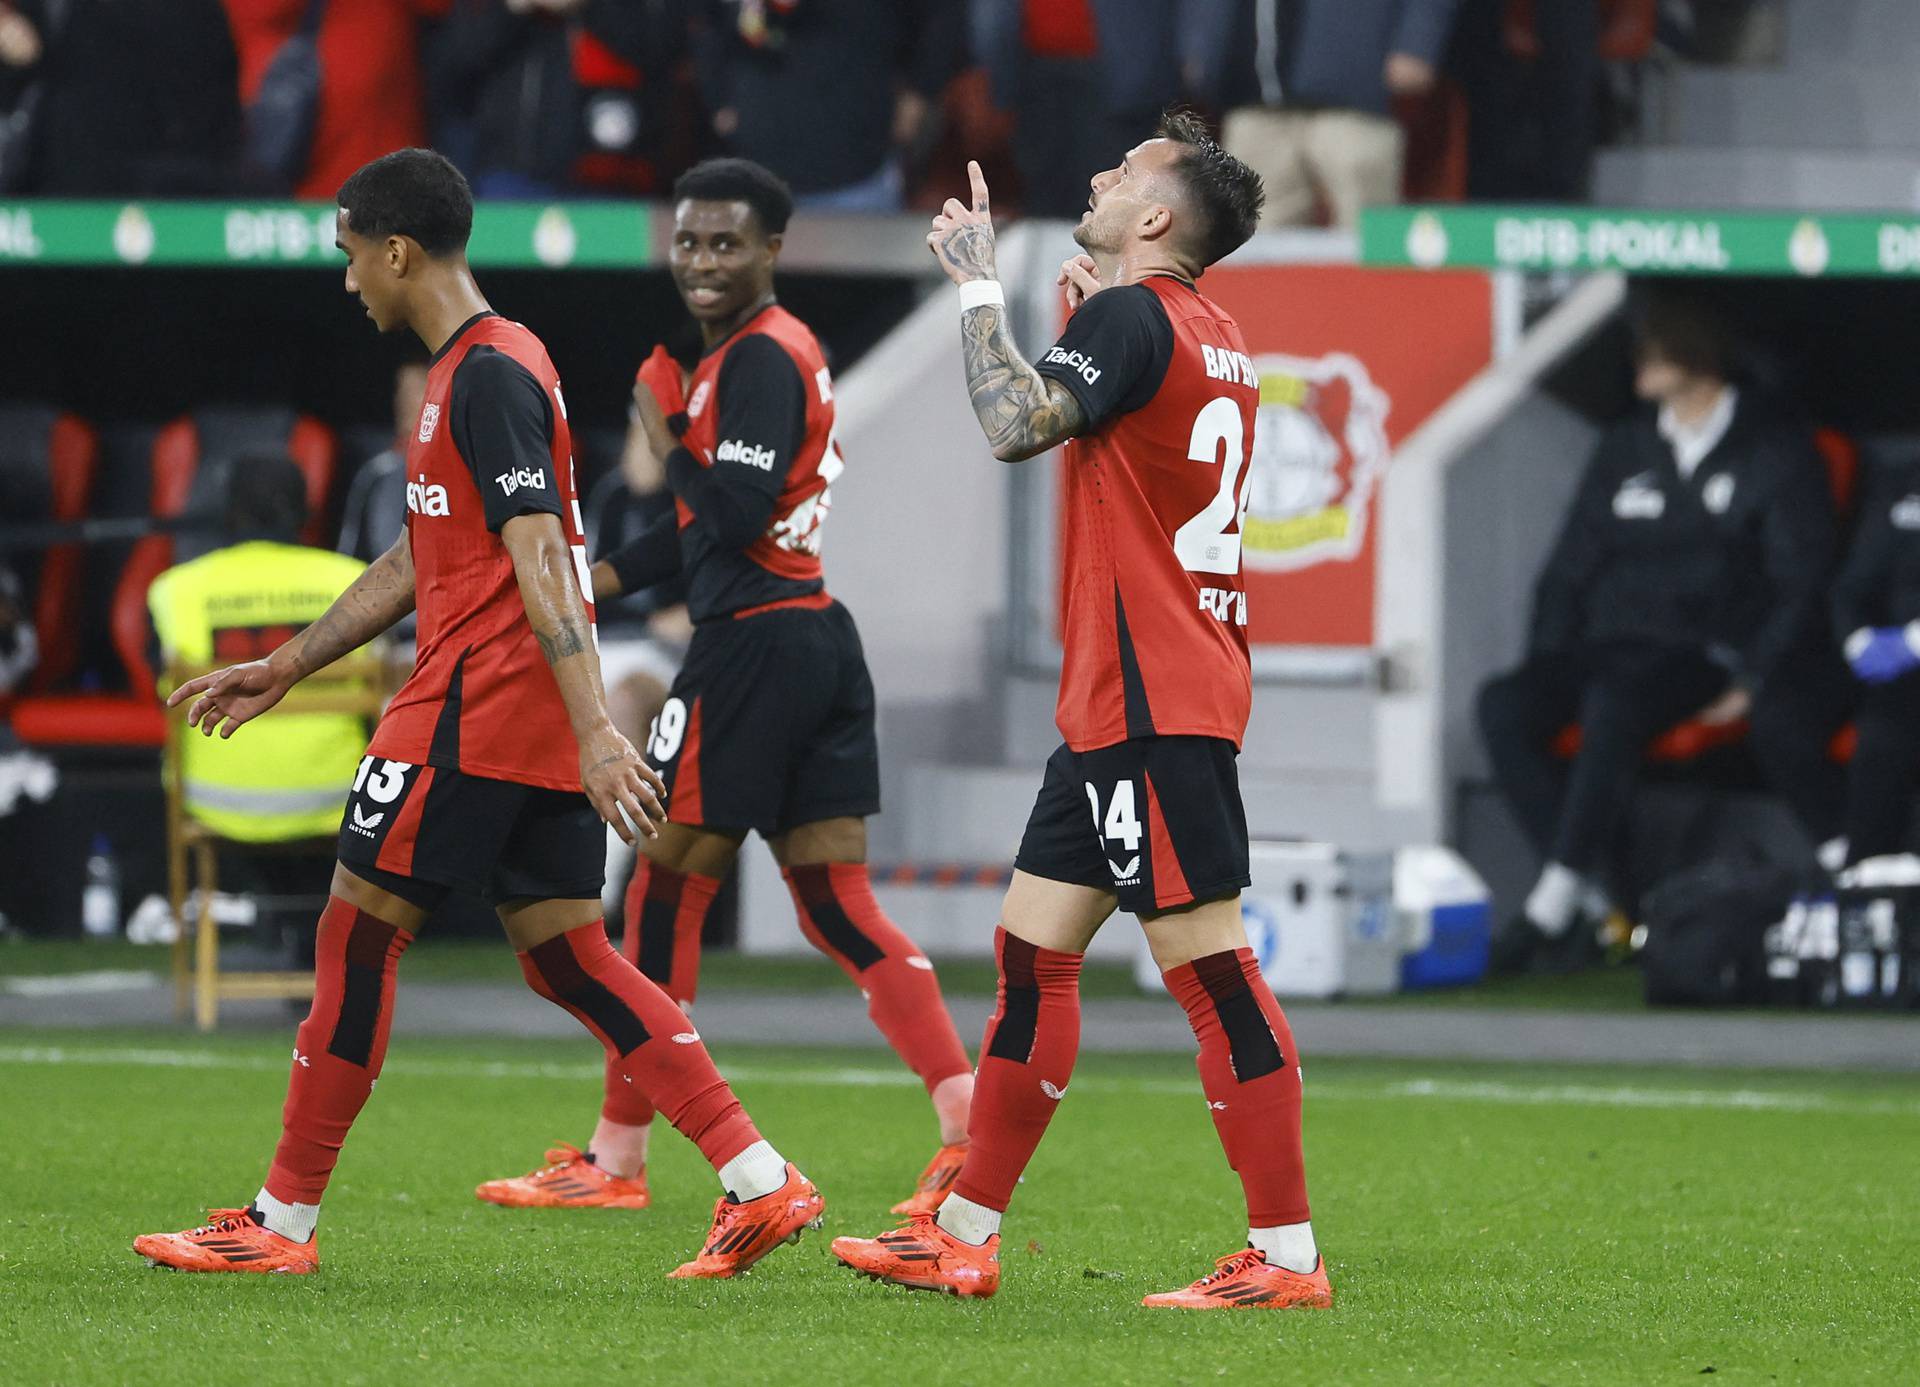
(1321,921)
(1446,913)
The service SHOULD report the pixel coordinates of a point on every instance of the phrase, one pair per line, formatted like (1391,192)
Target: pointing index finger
(979,182)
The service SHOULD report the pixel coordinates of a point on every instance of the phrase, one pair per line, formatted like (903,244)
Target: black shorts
(769,724)
(1157,821)
(502,840)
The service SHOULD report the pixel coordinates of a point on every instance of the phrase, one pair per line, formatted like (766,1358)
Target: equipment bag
(1704,931)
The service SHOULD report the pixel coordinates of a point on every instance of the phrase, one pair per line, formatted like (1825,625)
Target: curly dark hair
(1228,194)
(739,180)
(411,192)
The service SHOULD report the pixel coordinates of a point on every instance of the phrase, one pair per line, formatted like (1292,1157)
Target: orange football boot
(744,1233)
(923,1256)
(567,1181)
(935,1181)
(229,1241)
(1244,1281)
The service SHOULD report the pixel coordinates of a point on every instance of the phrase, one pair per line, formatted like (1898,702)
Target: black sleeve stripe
(502,424)
(1114,353)
(759,369)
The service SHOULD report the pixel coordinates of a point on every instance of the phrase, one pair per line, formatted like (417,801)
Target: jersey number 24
(1202,544)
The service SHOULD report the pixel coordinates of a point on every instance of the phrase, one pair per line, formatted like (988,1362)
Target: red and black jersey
(1155,624)
(751,475)
(492,444)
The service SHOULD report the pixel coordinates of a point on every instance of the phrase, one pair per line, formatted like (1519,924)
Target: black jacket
(1312,53)
(1733,561)
(510,79)
(1880,583)
(816,106)
(140,98)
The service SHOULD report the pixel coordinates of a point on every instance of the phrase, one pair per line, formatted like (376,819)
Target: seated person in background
(644,634)
(647,630)
(375,510)
(1876,612)
(1691,564)
(288,778)
(19,642)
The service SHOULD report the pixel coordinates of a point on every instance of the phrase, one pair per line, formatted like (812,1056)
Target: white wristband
(981,293)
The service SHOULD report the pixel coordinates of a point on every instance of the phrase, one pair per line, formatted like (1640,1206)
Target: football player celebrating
(493,766)
(770,724)
(1153,393)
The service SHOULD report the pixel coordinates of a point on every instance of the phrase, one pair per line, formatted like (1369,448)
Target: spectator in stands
(1309,88)
(833,95)
(1876,610)
(1081,79)
(533,96)
(1691,565)
(370,99)
(375,510)
(116,98)
(1533,116)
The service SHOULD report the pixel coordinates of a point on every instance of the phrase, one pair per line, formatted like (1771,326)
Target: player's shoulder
(503,337)
(766,349)
(501,365)
(1123,303)
(777,328)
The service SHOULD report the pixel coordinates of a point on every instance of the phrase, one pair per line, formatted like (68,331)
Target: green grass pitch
(1484,1224)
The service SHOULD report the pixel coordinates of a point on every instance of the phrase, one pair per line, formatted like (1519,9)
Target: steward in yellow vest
(289,777)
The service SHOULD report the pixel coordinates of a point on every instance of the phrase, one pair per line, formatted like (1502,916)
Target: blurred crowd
(1339,103)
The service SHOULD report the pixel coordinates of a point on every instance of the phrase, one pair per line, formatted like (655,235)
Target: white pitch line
(1434,1090)
(81,984)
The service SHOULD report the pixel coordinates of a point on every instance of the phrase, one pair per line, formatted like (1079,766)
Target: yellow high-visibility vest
(284,775)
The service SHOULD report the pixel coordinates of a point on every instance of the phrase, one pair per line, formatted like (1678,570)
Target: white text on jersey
(1224,604)
(739,450)
(1079,361)
(532,477)
(1223,363)
(426,500)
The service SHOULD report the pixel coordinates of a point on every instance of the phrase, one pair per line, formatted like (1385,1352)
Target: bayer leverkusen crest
(1319,451)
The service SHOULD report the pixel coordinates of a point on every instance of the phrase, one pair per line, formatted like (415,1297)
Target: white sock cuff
(294,1222)
(754,1173)
(1288,1245)
(970,1222)
(1554,899)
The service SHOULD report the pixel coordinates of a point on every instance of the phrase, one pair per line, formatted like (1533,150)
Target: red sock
(649,1039)
(339,1048)
(841,918)
(1026,1060)
(666,914)
(1250,1073)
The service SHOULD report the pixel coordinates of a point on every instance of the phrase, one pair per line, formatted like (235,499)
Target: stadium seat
(357,685)
(190,459)
(47,465)
(187,470)
(1842,458)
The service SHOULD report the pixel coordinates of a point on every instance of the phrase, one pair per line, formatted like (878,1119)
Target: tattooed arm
(1020,411)
(611,771)
(375,600)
